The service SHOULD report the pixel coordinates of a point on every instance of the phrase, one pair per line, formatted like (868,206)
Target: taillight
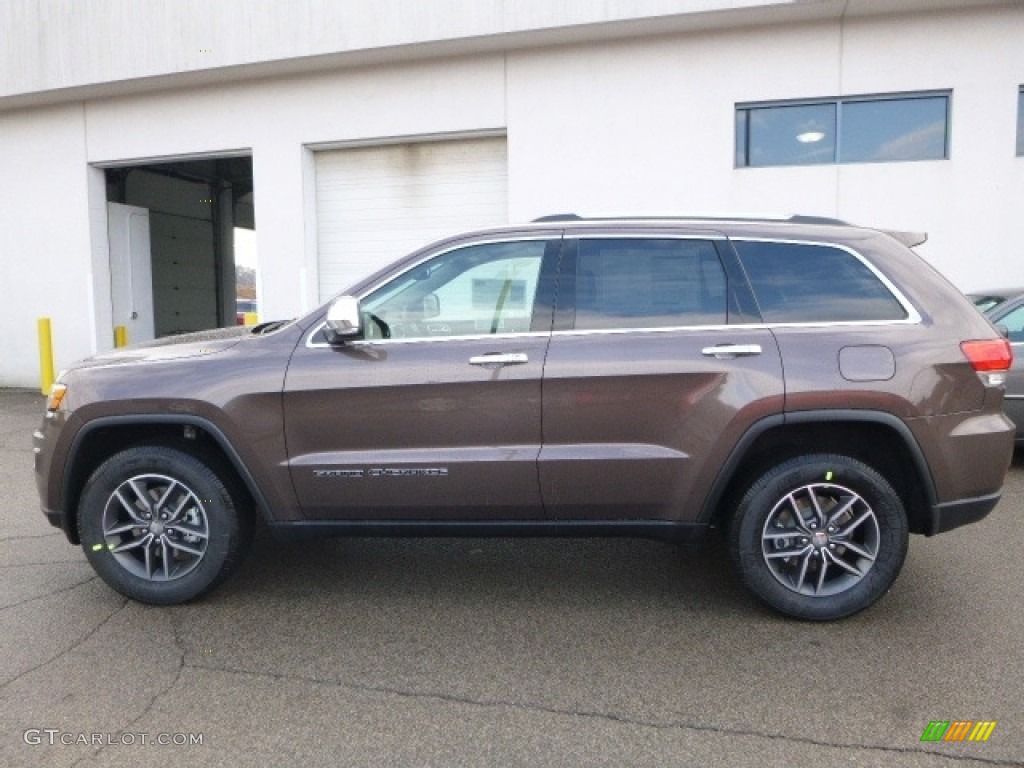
(991,358)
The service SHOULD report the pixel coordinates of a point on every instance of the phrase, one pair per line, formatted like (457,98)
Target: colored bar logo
(958,730)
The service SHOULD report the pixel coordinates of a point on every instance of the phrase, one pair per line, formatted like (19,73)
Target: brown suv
(811,387)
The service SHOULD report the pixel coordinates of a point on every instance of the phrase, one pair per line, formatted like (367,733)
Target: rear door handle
(499,360)
(729,351)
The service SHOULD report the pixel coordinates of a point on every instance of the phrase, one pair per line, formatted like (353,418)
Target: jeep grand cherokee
(812,388)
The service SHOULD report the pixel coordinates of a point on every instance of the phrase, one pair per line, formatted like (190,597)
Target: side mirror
(431,306)
(1004,330)
(344,320)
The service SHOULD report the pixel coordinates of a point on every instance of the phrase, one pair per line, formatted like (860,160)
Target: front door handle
(729,351)
(500,359)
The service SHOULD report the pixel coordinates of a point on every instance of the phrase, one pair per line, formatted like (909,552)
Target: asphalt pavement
(498,653)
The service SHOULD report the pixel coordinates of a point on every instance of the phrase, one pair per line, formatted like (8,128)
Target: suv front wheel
(819,537)
(160,526)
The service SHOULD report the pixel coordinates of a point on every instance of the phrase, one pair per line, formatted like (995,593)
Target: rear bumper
(953,514)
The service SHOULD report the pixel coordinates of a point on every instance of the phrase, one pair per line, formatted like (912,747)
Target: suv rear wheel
(160,526)
(819,537)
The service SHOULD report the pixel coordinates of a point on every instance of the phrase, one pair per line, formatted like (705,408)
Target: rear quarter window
(811,283)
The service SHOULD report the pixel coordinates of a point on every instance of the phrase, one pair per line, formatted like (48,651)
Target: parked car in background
(1006,309)
(987,301)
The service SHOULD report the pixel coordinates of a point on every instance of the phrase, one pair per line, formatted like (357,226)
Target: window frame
(1020,121)
(836,102)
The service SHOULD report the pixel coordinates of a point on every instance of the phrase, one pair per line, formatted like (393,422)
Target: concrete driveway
(499,652)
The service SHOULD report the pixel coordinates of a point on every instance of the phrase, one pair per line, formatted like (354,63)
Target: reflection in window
(891,130)
(876,129)
(480,289)
(789,135)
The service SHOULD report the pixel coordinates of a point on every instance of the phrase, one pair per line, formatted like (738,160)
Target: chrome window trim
(310,344)
(735,327)
(913,316)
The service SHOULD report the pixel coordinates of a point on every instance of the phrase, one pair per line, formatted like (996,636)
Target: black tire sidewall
(765,492)
(225,534)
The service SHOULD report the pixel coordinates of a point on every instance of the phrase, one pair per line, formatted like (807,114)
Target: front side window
(648,283)
(476,290)
(808,283)
(875,129)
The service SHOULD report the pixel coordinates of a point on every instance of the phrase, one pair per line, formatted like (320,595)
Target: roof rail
(557,217)
(909,239)
(800,218)
(795,219)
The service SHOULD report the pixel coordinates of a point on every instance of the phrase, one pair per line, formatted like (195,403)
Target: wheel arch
(878,439)
(105,436)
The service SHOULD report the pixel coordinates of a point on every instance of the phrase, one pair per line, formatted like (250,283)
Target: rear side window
(804,283)
(648,283)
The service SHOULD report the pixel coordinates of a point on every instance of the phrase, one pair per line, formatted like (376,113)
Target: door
(435,413)
(654,371)
(131,281)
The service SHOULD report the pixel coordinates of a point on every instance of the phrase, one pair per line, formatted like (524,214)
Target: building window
(862,129)
(1020,122)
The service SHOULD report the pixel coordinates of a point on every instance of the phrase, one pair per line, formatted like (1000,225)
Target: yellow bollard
(251,318)
(46,376)
(120,336)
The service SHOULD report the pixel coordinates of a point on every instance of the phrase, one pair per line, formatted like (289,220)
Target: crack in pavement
(152,702)
(76,585)
(77,561)
(70,649)
(597,715)
(32,536)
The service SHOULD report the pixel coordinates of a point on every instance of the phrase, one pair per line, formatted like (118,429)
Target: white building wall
(44,238)
(277,119)
(634,125)
(60,44)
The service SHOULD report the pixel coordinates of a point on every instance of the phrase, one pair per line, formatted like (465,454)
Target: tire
(160,526)
(843,554)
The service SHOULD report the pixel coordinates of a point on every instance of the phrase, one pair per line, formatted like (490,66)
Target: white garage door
(375,204)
